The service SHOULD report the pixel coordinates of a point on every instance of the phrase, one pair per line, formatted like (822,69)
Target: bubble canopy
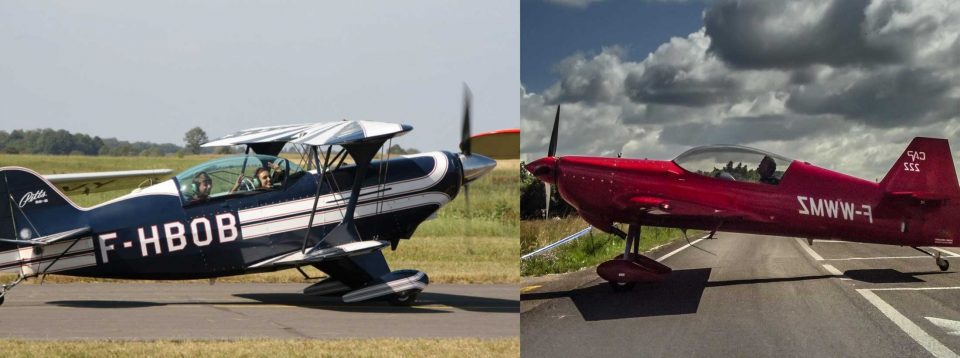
(733,162)
(223,174)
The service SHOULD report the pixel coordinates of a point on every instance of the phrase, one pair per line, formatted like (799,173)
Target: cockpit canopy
(234,175)
(734,162)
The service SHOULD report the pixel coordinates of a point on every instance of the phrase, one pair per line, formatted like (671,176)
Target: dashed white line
(911,329)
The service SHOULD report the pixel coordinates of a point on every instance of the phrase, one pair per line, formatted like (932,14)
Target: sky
(151,70)
(844,84)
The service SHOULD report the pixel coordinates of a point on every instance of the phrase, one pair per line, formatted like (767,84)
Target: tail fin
(30,207)
(924,171)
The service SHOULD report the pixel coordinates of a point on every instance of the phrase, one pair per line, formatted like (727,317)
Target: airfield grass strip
(450,347)
(587,251)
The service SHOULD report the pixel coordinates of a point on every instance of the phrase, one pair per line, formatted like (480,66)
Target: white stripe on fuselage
(336,215)
(333,200)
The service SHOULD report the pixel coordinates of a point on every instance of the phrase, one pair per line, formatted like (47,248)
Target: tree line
(62,142)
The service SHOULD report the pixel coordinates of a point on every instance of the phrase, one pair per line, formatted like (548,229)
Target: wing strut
(346,232)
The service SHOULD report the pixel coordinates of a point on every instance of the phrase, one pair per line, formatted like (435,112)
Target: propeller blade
(466,198)
(465,128)
(547,211)
(552,151)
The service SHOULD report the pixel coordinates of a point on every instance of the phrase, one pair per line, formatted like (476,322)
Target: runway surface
(747,295)
(230,310)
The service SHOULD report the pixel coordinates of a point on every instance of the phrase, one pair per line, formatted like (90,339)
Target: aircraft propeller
(551,152)
(474,166)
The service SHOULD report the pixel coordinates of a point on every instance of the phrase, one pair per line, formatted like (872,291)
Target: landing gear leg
(942,263)
(8,286)
(625,271)
(630,250)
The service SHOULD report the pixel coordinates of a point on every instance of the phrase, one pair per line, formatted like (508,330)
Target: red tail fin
(924,171)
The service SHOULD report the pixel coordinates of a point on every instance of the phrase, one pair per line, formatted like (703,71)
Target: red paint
(919,194)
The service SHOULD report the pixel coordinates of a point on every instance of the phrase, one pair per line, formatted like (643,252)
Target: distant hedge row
(62,142)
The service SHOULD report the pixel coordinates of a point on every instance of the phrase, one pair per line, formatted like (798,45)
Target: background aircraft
(741,189)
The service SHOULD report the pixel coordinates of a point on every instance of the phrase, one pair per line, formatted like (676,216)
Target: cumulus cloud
(845,84)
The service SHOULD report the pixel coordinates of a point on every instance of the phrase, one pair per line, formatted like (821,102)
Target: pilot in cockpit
(261,179)
(201,186)
(766,170)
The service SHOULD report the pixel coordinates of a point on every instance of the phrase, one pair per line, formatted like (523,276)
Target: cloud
(789,34)
(884,98)
(573,3)
(595,79)
(749,130)
(844,84)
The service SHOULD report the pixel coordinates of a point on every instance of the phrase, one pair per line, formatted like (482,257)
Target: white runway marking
(915,288)
(674,252)
(950,326)
(809,251)
(948,252)
(832,270)
(879,258)
(911,329)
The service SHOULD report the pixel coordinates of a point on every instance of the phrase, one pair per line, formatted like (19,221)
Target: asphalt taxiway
(236,310)
(748,295)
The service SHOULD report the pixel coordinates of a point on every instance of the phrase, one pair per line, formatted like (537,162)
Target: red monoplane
(740,189)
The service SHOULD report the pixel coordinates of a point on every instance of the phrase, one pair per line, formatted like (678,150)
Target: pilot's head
(767,167)
(202,185)
(264,176)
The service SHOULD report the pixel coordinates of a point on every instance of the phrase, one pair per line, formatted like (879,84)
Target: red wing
(653,205)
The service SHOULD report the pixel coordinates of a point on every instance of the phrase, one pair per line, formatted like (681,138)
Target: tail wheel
(404,299)
(943,264)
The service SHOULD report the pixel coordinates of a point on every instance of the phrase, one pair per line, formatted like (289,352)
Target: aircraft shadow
(682,291)
(425,304)
(888,275)
(679,294)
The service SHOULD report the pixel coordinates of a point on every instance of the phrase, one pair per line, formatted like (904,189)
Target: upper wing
(106,181)
(319,134)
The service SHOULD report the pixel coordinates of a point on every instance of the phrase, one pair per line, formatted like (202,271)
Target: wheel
(1,299)
(404,299)
(943,264)
(622,286)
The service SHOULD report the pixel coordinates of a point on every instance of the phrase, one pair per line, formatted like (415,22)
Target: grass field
(453,347)
(586,251)
(450,248)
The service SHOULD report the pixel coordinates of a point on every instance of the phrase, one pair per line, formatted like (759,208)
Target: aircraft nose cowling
(475,166)
(544,169)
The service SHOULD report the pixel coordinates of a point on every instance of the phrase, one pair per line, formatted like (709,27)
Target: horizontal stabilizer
(50,239)
(924,171)
(96,182)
